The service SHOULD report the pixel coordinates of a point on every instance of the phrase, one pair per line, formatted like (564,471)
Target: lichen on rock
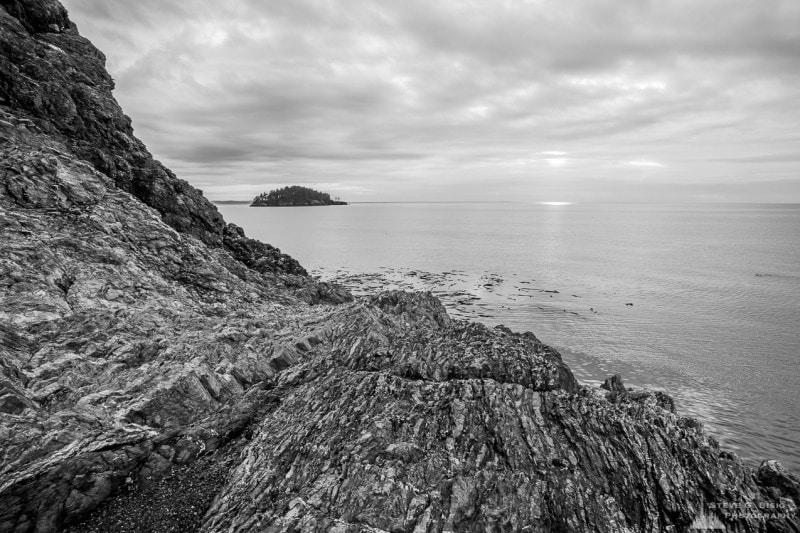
(161,371)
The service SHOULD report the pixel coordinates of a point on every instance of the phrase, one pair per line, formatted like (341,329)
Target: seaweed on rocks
(160,371)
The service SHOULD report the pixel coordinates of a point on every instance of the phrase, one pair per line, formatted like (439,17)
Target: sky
(465,100)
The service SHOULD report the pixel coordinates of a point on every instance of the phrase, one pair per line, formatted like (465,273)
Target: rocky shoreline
(160,371)
(466,296)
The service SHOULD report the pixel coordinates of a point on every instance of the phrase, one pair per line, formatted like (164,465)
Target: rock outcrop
(161,372)
(55,78)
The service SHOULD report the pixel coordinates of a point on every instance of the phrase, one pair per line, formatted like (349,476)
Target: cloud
(645,163)
(386,97)
(557,162)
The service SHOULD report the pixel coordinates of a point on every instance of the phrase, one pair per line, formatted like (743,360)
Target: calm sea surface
(715,291)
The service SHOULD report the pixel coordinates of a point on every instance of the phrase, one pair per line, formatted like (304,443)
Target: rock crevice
(160,371)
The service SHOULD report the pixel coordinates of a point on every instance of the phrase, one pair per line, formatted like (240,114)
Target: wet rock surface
(161,372)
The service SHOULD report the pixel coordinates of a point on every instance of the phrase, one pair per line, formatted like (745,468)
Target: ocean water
(701,301)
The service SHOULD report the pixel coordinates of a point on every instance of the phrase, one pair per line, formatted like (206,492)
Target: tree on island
(294,195)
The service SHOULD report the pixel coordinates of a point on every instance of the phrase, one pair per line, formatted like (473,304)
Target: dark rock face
(38,17)
(257,255)
(57,79)
(161,380)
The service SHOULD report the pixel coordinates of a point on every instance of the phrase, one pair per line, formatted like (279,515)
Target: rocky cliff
(55,78)
(161,372)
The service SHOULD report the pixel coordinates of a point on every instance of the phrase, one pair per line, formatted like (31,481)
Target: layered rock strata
(159,371)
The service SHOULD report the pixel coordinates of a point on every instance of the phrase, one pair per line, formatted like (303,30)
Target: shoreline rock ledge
(160,371)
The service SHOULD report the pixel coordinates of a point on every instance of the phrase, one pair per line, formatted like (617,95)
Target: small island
(294,195)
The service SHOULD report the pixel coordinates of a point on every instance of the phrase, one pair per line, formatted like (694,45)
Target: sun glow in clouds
(212,35)
(621,83)
(555,203)
(643,163)
(556,162)
(523,88)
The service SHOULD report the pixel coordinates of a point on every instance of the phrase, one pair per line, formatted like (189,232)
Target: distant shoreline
(558,204)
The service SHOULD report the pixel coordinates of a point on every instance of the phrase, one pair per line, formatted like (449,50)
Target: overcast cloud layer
(521,100)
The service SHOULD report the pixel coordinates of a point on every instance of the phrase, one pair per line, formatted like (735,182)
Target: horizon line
(535,202)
